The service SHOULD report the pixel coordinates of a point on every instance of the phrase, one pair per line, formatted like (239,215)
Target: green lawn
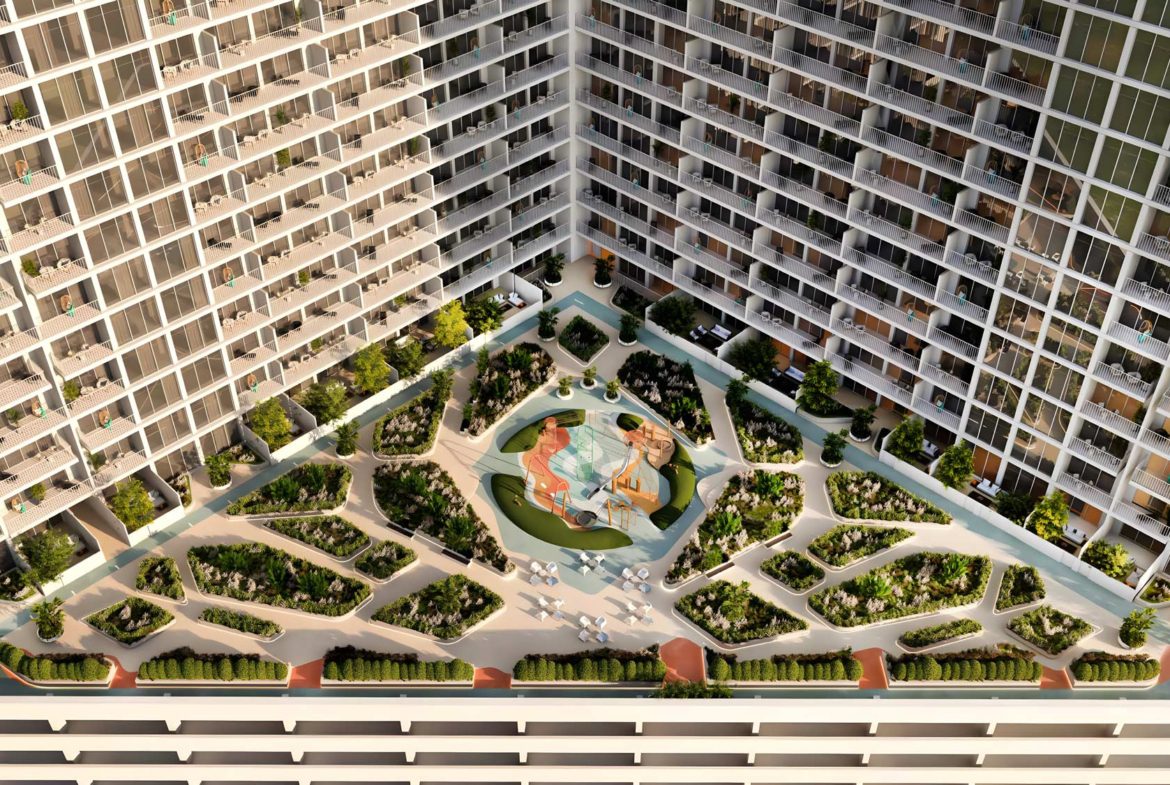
(629,422)
(525,438)
(508,491)
(680,473)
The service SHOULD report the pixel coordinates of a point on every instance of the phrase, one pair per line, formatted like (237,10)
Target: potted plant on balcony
(30,267)
(283,158)
(18,110)
(923,140)
(14,416)
(36,493)
(565,388)
(628,335)
(814,224)
(613,391)
(905,222)
(602,267)
(547,329)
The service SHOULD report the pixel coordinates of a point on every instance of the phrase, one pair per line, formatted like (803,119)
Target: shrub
(732,614)
(1104,666)
(371,372)
(602,269)
(49,618)
(185,664)
(160,575)
(131,620)
(241,622)
(451,325)
(1049,516)
(55,667)
(610,665)
(1110,558)
(1000,663)
(347,434)
(1016,507)
(669,388)
(818,389)
(843,545)
(484,315)
(407,358)
(755,357)
(676,315)
(1135,626)
(385,559)
(582,339)
(870,496)
(763,437)
(628,333)
(507,378)
(47,553)
(833,447)
(36,492)
(326,401)
(411,428)
(956,466)
(308,487)
(827,666)
(269,422)
(219,468)
(1049,630)
(1021,585)
(131,504)
(445,609)
(547,327)
(347,663)
(905,442)
(691,689)
(938,633)
(794,570)
(863,417)
(329,533)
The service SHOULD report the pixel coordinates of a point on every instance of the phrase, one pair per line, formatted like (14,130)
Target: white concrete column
(405,725)
(57,725)
(289,725)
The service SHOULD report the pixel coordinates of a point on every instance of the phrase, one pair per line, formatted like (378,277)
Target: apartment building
(964,207)
(211,203)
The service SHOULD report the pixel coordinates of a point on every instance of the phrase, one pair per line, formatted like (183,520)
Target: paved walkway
(307,675)
(491,679)
(873,661)
(685,660)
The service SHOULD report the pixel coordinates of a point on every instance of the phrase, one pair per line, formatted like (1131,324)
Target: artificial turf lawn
(508,491)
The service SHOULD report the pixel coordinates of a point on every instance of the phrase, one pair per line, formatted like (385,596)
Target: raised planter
(718,644)
(234,631)
(625,343)
(441,641)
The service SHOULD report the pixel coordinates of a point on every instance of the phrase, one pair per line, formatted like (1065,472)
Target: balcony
(880,345)
(615,246)
(794,105)
(629,117)
(1017,89)
(903,101)
(709,295)
(915,153)
(971,265)
(725,158)
(1141,519)
(1091,452)
(954,15)
(1152,483)
(933,410)
(1111,420)
(1026,36)
(985,227)
(931,61)
(812,155)
(636,81)
(951,383)
(884,270)
(1099,498)
(822,23)
(749,45)
(713,114)
(1129,381)
(1140,290)
(1155,441)
(731,81)
(930,203)
(1001,135)
(1158,246)
(631,41)
(879,383)
(624,150)
(15,391)
(728,234)
(1162,195)
(953,344)
(53,277)
(712,262)
(915,242)
(36,469)
(838,76)
(1143,343)
(786,333)
(57,500)
(990,181)
(792,265)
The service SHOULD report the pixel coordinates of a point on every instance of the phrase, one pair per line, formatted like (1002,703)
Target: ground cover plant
(411,428)
(422,496)
(1157,591)
(254,572)
(670,389)
(795,570)
(307,488)
(870,496)
(763,437)
(241,622)
(130,620)
(72,666)
(509,493)
(731,613)
(525,438)
(329,533)
(505,379)
(939,633)
(445,609)
(679,472)
(843,545)
(920,583)
(160,575)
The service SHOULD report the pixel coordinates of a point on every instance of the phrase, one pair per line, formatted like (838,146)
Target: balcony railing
(1002,135)
(806,17)
(1153,483)
(1099,498)
(935,10)
(890,272)
(953,344)
(1142,342)
(794,337)
(1026,36)
(931,60)
(1157,245)
(630,40)
(1129,381)
(1112,420)
(871,378)
(634,80)
(751,45)
(629,117)
(1089,451)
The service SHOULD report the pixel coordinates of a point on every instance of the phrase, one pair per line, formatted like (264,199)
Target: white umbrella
(600,622)
(599,558)
(535,566)
(551,581)
(602,637)
(630,606)
(647,607)
(542,602)
(585,557)
(534,579)
(552,567)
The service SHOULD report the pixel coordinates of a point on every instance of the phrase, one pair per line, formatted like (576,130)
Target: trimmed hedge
(307,488)
(346,663)
(1103,666)
(938,633)
(241,622)
(826,666)
(1002,663)
(610,665)
(54,667)
(187,665)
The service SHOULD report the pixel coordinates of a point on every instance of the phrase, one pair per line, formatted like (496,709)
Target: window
(112,238)
(1081,94)
(1057,380)
(1096,41)
(125,280)
(114,24)
(1150,60)
(1141,114)
(1071,144)
(70,96)
(987,428)
(168,430)
(158,395)
(1111,213)
(146,360)
(212,407)
(173,259)
(85,146)
(1071,343)
(152,172)
(183,299)
(127,76)
(140,125)
(1126,165)
(163,217)
(99,193)
(55,43)
(203,372)
(136,320)
(190,338)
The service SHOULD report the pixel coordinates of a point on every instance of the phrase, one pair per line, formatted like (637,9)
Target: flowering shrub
(13,587)
(763,437)
(160,575)
(444,609)
(385,559)
(411,428)
(330,533)
(670,389)
(582,338)
(730,613)
(843,545)
(312,486)
(254,572)
(1157,592)
(1049,630)
(870,496)
(422,496)
(1021,585)
(507,378)
(756,505)
(795,570)
(920,583)
(131,620)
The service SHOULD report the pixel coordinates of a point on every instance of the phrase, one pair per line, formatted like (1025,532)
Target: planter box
(234,631)
(441,641)
(136,643)
(718,644)
(246,605)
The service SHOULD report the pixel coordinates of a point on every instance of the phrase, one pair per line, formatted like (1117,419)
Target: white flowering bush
(763,437)
(843,545)
(870,496)
(917,584)
(731,613)
(131,620)
(330,533)
(412,427)
(1049,629)
(508,377)
(670,389)
(444,609)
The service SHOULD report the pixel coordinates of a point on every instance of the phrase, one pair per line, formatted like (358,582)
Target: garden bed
(670,389)
(253,572)
(596,665)
(1104,667)
(1157,591)
(421,496)
(938,634)
(412,427)
(582,339)
(1021,585)
(913,585)
(832,666)
(385,560)
(131,621)
(312,487)
(870,496)
(755,506)
(13,587)
(731,614)
(847,544)
(999,663)
(764,437)
(509,376)
(794,570)
(347,664)
(160,575)
(330,534)
(445,609)
(509,492)
(79,667)
(243,623)
(187,665)
(1050,630)
(630,301)
(679,472)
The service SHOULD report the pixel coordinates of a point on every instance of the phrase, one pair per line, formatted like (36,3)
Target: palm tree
(548,322)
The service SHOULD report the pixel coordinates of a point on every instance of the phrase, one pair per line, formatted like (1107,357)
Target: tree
(552,268)
(1049,516)
(268,421)
(451,325)
(406,357)
(458,533)
(1016,507)
(833,447)
(956,466)
(325,400)
(1110,558)
(1135,626)
(485,315)
(629,328)
(132,504)
(50,619)
(371,372)
(548,323)
(905,441)
(818,390)
(756,357)
(737,391)
(602,267)
(219,469)
(676,315)
(863,417)
(735,601)
(48,554)
(347,434)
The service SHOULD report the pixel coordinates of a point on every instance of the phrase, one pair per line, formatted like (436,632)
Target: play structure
(550,489)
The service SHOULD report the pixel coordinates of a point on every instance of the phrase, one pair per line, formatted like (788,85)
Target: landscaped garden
(254,572)
(188,665)
(385,560)
(870,496)
(843,545)
(630,301)
(307,488)
(755,506)
(508,491)
(763,437)
(67,666)
(412,427)
(130,621)
(582,339)
(421,496)
(920,583)
(331,534)
(503,380)
(160,575)
(732,614)
(825,666)
(1157,591)
(670,389)
(795,570)
(1104,666)
(605,665)
(1021,585)
(1049,629)
(940,633)
(350,664)
(242,622)
(445,609)
(999,663)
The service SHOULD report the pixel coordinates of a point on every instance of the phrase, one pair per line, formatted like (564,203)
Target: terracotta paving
(491,679)
(684,660)
(1164,674)
(875,676)
(307,675)
(123,679)
(1055,679)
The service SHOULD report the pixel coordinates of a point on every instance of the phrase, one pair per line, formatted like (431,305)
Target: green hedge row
(350,664)
(1101,666)
(598,665)
(1001,664)
(54,667)
(829,666)
(186,665)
